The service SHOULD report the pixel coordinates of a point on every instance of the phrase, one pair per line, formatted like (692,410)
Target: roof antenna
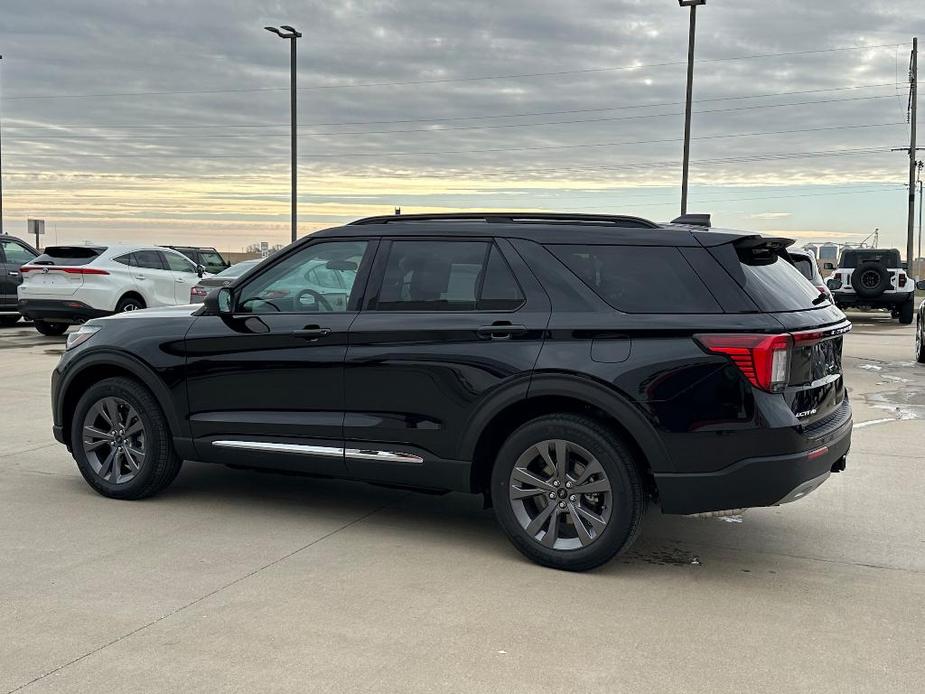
(397,211)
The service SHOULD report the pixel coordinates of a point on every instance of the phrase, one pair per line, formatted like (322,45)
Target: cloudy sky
(167,120)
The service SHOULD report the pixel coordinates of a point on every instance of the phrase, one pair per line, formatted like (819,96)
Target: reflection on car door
(446,323)
(266,385)
(153,277)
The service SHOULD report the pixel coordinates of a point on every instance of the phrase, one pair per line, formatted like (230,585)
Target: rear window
(775,285)
(890,258)
(69,255)
(639,279)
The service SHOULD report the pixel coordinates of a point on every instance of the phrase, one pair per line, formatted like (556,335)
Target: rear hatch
(812,328)
(59,272)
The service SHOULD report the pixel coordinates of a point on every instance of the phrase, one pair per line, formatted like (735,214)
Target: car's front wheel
(567,492)
(120,440)
(50,329)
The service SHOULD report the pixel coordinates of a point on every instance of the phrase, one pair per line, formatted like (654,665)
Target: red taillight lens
(198,292)
(902,280)
(61,268)
(763,359)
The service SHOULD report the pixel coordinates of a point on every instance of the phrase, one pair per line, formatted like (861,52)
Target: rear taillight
(197,292)
(902,279)
(61,268)
(763,359)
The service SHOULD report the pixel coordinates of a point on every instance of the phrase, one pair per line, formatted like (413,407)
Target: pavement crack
(208,595)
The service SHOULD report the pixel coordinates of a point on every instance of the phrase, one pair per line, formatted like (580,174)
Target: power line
(526,75)
(436,119)
(644,116)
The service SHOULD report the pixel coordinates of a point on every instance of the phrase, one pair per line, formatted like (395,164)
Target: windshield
(237,269)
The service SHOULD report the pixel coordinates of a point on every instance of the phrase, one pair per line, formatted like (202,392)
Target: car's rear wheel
(567,492)
(50,329)
(129,303)
(120,440)
(8,321)
(907,312)
(919,342)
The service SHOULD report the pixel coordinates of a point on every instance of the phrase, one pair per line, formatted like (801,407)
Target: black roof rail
(515,218)
(694,220)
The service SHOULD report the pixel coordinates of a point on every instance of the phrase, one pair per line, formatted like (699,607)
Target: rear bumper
(882,301)
(753,482)
(59,310)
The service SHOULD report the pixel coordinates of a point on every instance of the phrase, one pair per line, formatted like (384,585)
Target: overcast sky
(167,120)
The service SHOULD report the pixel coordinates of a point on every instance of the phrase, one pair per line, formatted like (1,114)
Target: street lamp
(690,95)
(287,32)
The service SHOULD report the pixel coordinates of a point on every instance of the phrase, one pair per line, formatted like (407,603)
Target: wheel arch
(548,394)
(131,293)
(99,366)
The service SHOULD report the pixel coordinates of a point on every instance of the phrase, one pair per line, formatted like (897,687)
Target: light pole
(290,34)
(1,165)
(690,97)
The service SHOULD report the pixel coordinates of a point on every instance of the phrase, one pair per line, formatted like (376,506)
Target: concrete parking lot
(237,581)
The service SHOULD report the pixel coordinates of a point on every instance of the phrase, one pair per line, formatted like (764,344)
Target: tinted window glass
(500,291)
(16,254)
(148,259)
(804,266)
(127,259)
(178,263)
(639,279)
(446,276)
(69,255)
(288,287)
(890,258)
(775,285)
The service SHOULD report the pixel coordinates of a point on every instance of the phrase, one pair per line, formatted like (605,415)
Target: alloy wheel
(114,440)
(560,495)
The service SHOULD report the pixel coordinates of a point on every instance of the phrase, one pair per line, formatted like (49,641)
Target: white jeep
(874,278)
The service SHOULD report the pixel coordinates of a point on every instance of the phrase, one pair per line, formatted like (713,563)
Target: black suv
(572,369)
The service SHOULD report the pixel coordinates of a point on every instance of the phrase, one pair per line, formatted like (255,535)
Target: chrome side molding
(383,456)
(326,451)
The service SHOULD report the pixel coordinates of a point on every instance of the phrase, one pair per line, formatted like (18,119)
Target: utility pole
(913,114)
(690,98)
(291,35)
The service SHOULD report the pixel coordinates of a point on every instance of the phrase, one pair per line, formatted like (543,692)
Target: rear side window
(639,279)
(447,276)
(148,259)
(15,254)
(805,267)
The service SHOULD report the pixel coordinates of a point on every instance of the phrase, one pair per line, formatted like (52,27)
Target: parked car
(208,257)
(72,284)
(874,278)
(806,263)
(222,279)
(920,327)
(14,253)
(523,357)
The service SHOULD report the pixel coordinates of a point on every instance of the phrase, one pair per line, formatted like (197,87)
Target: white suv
(71,284)
(874,278)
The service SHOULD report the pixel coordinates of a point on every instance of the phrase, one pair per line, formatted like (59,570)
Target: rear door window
(804,266)
(775,285)
(15,254)
(639,279)
(148,259)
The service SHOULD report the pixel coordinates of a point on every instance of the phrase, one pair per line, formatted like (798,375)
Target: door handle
(140,277)
(501,330)
(13,273)
(178,280)
(311,332)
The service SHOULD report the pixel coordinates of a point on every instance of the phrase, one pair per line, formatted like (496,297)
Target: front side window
(446,276)
(292,286)
(178,263)
(16,254)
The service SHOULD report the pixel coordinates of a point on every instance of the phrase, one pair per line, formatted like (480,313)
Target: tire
(907,312)
(622,508)
(50,329)
(870,280)
(153,470)
(8,321)
(919,342)
(130,303)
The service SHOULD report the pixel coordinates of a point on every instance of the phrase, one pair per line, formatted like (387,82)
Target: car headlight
(80,336)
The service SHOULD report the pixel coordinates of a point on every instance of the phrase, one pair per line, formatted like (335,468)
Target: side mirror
(218,302)
(920,285)
(200,270)
(834,284)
